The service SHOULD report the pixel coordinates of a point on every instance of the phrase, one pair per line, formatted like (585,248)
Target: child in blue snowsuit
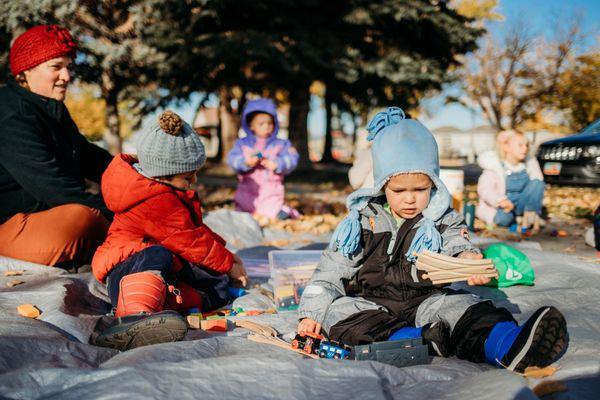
(367,288)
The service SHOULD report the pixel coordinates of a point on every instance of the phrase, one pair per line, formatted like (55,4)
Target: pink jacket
(261,191)
(491,187)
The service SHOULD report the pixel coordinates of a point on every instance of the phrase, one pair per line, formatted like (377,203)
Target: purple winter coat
(261,191)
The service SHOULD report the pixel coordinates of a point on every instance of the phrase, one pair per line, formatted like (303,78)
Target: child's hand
(268,164)
(252,161)
(307,325)
(470,255)
(474,280)
(477,280)
(238,272)
(506,205)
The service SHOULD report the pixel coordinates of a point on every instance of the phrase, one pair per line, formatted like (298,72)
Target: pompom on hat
(40,44)
(169,147)
(399,146)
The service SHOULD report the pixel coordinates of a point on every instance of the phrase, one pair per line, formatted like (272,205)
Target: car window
(594,127)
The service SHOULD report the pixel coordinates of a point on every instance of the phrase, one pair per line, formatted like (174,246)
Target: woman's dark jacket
(43,156)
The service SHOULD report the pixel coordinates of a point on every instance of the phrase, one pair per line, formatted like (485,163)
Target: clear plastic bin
(291,271)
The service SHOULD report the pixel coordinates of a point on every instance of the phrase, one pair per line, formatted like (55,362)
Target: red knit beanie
(39,44)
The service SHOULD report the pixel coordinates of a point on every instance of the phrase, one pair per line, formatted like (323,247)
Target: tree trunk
(298,127)
(354,130)
(111,117)
(229,126)
(328,146)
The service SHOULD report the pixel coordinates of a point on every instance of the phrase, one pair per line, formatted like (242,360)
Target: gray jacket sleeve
(455,238)
(326,284)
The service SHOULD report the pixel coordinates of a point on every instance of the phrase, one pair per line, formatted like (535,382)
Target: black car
(573,159)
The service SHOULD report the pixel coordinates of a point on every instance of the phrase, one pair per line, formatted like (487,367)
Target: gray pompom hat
(169,147)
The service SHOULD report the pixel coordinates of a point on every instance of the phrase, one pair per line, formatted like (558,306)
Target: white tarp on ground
(50,358)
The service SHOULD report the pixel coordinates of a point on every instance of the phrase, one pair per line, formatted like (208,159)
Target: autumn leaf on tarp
(13,273)
(537,372)
(28,310)
(545,388)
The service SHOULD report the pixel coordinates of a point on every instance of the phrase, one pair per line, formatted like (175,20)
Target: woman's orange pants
(65,234)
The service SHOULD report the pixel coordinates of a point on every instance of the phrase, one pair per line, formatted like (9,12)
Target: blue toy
(334,350)
(236,292)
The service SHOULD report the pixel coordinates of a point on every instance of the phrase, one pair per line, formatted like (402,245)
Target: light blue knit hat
(399,145)
(169,147)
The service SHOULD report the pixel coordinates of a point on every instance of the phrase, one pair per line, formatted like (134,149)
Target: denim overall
(526,195)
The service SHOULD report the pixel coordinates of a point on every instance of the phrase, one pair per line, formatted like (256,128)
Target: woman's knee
(82,222)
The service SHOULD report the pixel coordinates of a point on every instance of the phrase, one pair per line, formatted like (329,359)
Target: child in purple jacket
(261,160)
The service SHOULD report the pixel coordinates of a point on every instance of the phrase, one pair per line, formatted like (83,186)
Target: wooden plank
(441,276)
(454,260)
(255,327)
(430,268)
(449,280)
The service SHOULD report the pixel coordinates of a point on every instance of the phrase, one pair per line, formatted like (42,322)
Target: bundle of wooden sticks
(444,269)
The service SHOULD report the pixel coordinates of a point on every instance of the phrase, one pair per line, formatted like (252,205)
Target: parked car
(574,159)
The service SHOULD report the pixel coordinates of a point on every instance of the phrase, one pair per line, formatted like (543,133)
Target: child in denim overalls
(511,184)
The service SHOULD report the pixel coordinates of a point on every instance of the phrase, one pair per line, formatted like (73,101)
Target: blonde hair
(502,140)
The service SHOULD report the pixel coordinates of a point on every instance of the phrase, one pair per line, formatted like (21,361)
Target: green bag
(514,268)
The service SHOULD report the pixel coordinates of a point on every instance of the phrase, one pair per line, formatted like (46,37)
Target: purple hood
(260,105)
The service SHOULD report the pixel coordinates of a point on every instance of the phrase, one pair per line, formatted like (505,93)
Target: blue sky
(538,12)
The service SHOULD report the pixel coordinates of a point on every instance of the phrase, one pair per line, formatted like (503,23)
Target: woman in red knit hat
(46,215)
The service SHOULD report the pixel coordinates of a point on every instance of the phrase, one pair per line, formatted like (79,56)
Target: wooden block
(28,310)
(219,325)
(193,321)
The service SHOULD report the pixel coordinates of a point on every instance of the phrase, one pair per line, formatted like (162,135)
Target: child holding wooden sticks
(367,287)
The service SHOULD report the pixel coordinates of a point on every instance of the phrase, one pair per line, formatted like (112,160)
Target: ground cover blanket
(49,357)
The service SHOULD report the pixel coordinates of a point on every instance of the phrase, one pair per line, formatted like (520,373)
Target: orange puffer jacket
(150,213)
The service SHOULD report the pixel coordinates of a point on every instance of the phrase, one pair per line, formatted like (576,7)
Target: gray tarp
(50,358)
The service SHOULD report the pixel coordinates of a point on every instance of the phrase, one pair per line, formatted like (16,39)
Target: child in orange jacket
(158,254)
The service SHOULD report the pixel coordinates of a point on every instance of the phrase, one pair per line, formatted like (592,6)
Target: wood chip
(13,273)
(193,321)
(28,310)
(14,282)
(545,388)
(537,372)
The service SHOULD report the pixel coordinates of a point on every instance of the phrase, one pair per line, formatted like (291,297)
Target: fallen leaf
(13,273)
(569,250)
(29,310)
(14,282)
(545,388)
(537,372)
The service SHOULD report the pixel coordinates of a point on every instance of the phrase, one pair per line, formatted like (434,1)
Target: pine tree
(114,52)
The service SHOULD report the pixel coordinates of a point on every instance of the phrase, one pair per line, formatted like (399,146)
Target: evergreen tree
(367,53)
(114,52)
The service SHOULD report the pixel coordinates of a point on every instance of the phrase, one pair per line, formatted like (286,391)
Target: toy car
(308,343)
(334,350)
